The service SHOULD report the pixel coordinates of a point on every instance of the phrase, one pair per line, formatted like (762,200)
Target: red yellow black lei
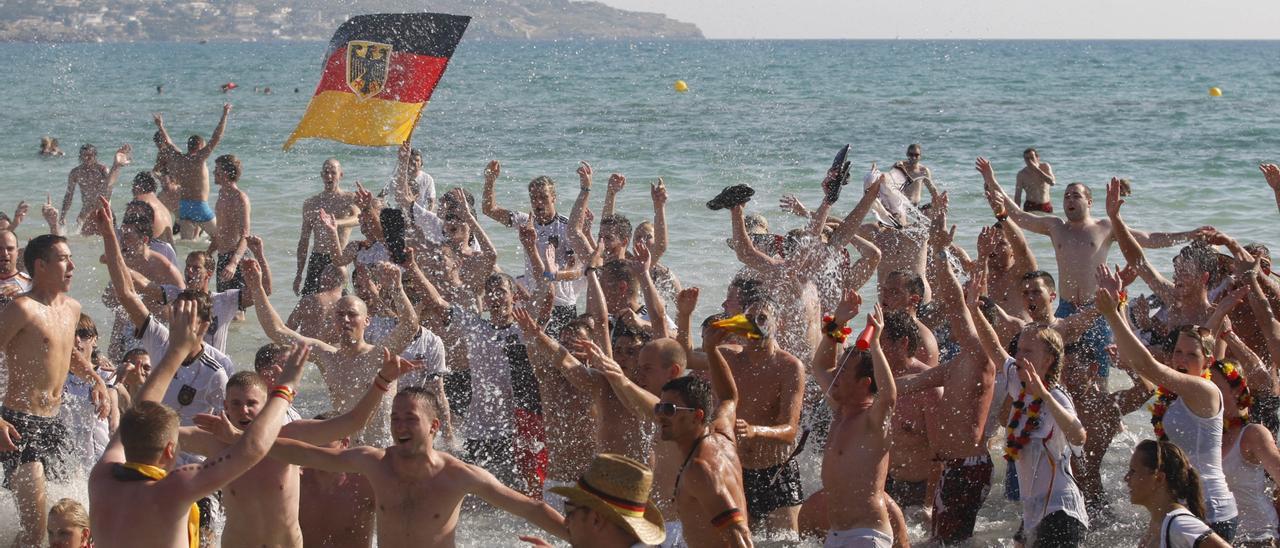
(1020,430)
(1244,400)
(1165,398)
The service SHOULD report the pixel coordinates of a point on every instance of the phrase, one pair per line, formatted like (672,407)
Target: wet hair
(40,247)
(1029,150)
(543,181)
(1040,275)
(617,224)
(246,380)
(204,258)
(899,325)
(756,221)
(584,322)
(89,148)
(1053,341)
(1201,256)
(1259,249)
(145,429)
(1239,387)
(1181,478)
(695,392)
(1084,189)
(194,142)
(144,182)
(230,165)
(913,145)
(749,289)
(447,201)
(85,324)
(204,307)
(267,354)
(144,219)
(864,369)
(616,271)
(500,278)
(135,353)
(72,511)
(1204,338)
(915,284)
(425,395)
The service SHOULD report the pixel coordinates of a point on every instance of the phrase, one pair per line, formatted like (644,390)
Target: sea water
(770,114)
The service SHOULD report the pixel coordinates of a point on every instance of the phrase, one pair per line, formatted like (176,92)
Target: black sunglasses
(86,333)
(669,409)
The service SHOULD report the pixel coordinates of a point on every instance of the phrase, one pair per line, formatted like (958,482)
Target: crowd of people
(575,395)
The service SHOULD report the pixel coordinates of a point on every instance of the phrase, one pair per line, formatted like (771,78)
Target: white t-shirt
(164,248)
(200,386)
(89,433)
(554,235)
(492,400)
(1182,529)
(225,306)
(19,279)
(1044,464)
(371,254)
(426,190)
(427,350)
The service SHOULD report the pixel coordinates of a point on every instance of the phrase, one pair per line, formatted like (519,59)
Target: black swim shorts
(44,440)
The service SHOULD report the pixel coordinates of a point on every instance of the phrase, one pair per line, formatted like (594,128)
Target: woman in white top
(1188,409)
(1249,454)
(1161,480)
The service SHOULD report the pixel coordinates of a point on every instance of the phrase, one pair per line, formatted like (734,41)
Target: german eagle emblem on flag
(379,72)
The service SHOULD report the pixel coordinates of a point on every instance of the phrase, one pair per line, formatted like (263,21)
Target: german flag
(379,72)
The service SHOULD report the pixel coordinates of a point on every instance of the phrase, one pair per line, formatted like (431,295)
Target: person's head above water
(149,433)
(1077,201)
(542,199)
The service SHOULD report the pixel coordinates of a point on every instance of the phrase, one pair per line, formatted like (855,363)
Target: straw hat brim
(648,529)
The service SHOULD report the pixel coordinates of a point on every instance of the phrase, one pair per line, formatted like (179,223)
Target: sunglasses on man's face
(669,409)
(913,154)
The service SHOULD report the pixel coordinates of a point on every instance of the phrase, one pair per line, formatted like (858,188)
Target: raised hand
(460,198)
(528,235)
(226,109)
(987,240)
(492,171)
(182,327)
(876,319)
(218,425)
(124,155)
(976,287)
(939,206)
(364,198)
(103,215)
(1128,275)
(1031,380)
(526,322)
(251,271)
(658,192)
(850,303)
(1109,288)
(984,167)
(326,219)
(995,200)
(939,237)
(617,182)
(642,263)
(394,367)
(1114,201)
(21,212)
(791,204)
(255,245)
(388,275)
(158,119)
(50,213)
(687,300)
(584,174)
(1272,173)
(292,372)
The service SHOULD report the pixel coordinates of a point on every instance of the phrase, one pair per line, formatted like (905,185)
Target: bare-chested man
(1035,180)
(137,499)
(342,206)
(95,181)
(916,426)
(919,177)
(903,291)
(262,504)
(346,364)
(856,460)
(709,493)
(419,490)
(37,335)
(313,317)
(144,189)
(968,381)
(233,212)
(1081,244)
(337,508)
(192,175)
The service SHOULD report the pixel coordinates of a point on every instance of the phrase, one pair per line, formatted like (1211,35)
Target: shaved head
(667,351)
(353,302)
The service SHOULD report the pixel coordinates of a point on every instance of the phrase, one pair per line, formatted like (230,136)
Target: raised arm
(574,371)
(122,158)
(947,289)
(1130,247)
(407,327)
(164,144)
(653,301)
(617,182)
(886,389)
(637,400)
(1040,224)
(254,244)
(67,198)
(489,201)
(355,460)
(217,132)
(580,210)
(973,292)
(1065,419)
(658,192)
(722,384)
(304,242)
(120,280)
(274,328)
(824,366)
(482,484)
(1272,174)
(341,426)
(849,226)
(744,248)
(599,311)
(1264,316)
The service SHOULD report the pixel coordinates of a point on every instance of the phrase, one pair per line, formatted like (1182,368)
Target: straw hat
(618,487)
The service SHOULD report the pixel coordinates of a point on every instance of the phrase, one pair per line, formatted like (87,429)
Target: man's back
(192,174)
(135,513)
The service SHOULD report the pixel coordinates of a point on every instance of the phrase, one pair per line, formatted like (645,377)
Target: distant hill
(260,20)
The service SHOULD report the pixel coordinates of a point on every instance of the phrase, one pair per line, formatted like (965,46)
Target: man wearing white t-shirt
(225,304)
(421,186)
(12,281)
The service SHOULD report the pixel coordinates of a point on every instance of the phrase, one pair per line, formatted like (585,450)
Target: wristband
(283,392)
(384,388)
(384,379)
(1124,300)
(548,276)
(837,332)
(728,518)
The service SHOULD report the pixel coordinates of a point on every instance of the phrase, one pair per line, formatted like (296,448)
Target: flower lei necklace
(1244,400)
(1165,398)
(1020,430)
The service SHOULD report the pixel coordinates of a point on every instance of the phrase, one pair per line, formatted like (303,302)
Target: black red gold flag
(379,72)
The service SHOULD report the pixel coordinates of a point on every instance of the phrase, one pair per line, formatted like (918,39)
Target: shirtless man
(916,426)
(1081,244)
(341,205)
(1271,173)
(144,189)
(12,280)
(313,317)
(1035,180)
(233,212)
(192,175)
(262,504)
(95,181)
(1004,254)
(903,291)
(709,493)
(856,460)
(135,240)
(968,382)
(138,497)
(336,510)
(37,335)
(418,489)
(352,359)
(919,177)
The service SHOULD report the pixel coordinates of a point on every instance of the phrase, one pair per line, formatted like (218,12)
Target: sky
(983,19)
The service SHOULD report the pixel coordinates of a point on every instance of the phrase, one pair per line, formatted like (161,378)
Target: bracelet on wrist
(284,392)
(837,332)
(384,379)
(382,387)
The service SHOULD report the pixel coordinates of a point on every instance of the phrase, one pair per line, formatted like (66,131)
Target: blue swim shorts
(195,211)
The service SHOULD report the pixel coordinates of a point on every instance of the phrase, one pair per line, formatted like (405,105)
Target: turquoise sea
(767,113)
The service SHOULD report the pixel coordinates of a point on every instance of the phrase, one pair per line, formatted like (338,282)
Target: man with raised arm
(339,204)
(262,504)
(230,242)
(919,177)
(37,337)
(144,190)
(1035,180)
(95,181)
(1271,173)
(192,174)
(139,497)
(346,364)
(855,462)
(968,382)
(1081,244)
(915,424)
(419,489)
